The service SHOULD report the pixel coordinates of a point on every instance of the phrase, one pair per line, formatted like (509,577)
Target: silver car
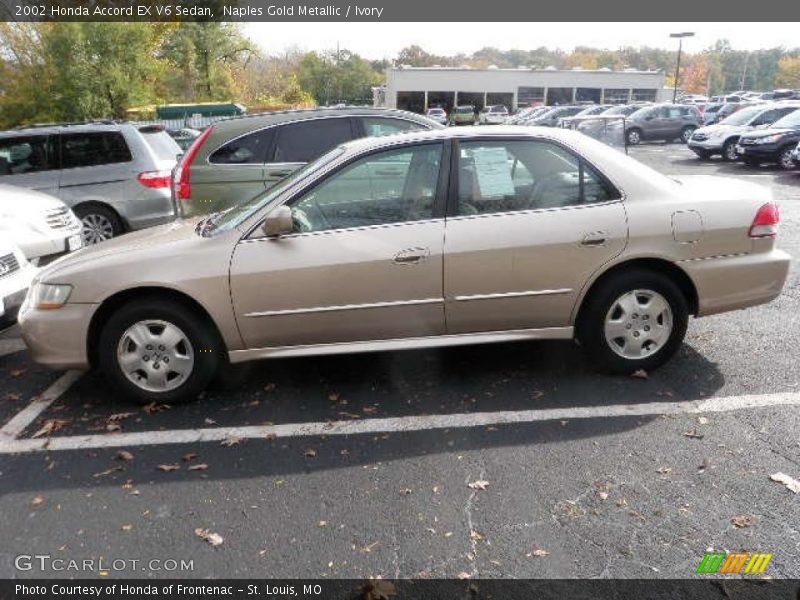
(116,177)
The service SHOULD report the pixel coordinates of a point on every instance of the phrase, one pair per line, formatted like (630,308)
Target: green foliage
(338,77)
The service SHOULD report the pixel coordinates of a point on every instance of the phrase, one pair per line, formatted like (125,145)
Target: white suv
(493,115)
(41,225)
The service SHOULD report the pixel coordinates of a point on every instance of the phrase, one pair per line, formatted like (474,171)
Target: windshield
(743,117)
(464,109)
(162,144)
(792,120)
(235,215)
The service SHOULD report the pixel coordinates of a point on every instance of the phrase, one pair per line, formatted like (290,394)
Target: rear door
(528,223)
(300,142)
(30,161)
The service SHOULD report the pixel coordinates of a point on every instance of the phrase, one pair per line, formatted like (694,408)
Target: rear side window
(29,154)
(306,140)
(92,149)
(246,150)
(162,144)
(383,126)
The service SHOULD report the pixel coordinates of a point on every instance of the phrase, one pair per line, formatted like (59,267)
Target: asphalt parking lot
(514,460)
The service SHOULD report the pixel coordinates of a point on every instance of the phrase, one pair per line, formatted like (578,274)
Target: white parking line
(28,415)
(395,424)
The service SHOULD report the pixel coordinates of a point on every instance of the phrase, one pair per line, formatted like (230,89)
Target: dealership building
(419,88)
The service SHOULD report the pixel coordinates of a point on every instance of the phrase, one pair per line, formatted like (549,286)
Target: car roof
(51,128)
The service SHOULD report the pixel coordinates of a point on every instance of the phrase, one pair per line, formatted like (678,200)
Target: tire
(686,134)
(603,316)
(100,223)
(149,376)
(729,151)
(633,137)
(785,161)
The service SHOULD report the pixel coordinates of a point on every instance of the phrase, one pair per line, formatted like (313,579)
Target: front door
(531,223)
(364,261)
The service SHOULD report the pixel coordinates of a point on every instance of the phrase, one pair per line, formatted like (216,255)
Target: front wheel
(686,134)
(785,160)
(729,151)
(156,350)
(633,137)
(636,319)
(99,222)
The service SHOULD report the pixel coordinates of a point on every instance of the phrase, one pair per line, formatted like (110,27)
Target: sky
(385,40)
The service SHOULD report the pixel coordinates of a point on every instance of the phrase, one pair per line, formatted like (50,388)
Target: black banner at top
(396,11)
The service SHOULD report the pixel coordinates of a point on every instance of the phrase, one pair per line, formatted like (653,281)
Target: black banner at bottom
(430,589)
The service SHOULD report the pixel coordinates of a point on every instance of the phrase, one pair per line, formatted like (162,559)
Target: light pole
(680,37)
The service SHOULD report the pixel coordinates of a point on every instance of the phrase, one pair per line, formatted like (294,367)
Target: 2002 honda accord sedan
(416,240)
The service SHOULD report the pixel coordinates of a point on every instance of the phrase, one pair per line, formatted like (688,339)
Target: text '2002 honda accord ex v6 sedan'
(416,240)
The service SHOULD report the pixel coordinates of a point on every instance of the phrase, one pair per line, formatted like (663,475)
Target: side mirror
(278,222)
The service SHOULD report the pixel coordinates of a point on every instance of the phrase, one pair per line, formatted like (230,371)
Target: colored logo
(747,563)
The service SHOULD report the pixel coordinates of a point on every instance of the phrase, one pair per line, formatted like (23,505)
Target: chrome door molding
(415,343)
(502,295)
(343,307)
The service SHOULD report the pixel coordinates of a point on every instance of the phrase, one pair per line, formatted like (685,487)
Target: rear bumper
(58,338)
(734,282)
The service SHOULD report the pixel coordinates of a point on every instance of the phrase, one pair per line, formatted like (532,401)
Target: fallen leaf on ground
(475,536)
(169,467)
(405,491)
(369,410)
(333,397)
(127,527)
(368,548)
(50,426)
(537,394)
(640,374)
(212,538)
(208,421)
(791,484)
(155,407)
(37,501)
(740,521)
(310,453)
(200,467)
(17,372)
(112,427)
(602,495)
(664,470)
(538,552)
(117,417)
(693,433)
(230,442)
(702,420)
(109,471)
(128,485)
(448,534)
(124,455)
(270,386)
(480,484)
(189,456)
(378,589)
(463,575)
(323,523)
(11,397)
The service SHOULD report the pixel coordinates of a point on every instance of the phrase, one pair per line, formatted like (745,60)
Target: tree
(788,75)
(338,76)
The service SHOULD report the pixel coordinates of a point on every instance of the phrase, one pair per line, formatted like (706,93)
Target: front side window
(306,140)
(381,126)
(505,176)
(29,154)
(250,149)
(393,186)
(91,149)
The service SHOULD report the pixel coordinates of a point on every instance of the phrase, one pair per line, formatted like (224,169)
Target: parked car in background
(722,137)
(662,122)
(526,113)
(463,115)
(551,117)
(775,144)
(598,128)
(493,115)
(437,114)
(16,275)
(184,137)
(114,176)
(710,113)
(367,249)
(40,224)
(238,158)
(727,109)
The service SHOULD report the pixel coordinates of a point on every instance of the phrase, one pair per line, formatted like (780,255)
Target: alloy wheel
(156,356)
(730,152)
(634,137)
(638,324)
(785,161)
(96,228)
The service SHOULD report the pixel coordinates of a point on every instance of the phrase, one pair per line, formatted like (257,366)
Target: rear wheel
(729,151)
(633,137)
(156,350)
(100,223)
(636,319)
(785,160)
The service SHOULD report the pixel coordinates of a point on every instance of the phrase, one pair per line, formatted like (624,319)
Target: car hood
(769,131)
(720,129)
(24,202)
(138,241)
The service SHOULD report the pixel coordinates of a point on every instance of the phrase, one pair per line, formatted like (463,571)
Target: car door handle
(280,174)
(411,256)
(595,238)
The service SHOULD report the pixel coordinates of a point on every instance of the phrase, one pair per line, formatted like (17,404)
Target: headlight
(48,296)
(769,139)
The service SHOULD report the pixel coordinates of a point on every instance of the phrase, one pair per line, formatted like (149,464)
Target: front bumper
(58,338)
(762,152)
(709,145)
(733,282)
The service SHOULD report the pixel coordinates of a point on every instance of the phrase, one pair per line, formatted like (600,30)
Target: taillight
(155,179)
(766,222)
(183,184)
